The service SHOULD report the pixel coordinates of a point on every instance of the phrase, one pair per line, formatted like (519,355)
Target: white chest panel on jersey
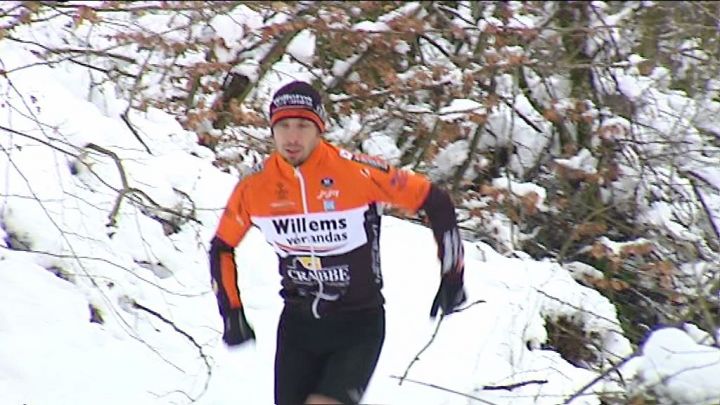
(320,234)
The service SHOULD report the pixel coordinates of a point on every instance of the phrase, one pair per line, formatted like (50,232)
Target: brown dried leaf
(589,229)
(618,285)
(477,118)
(552,115)
(529,202)
(638,249)
(599,251)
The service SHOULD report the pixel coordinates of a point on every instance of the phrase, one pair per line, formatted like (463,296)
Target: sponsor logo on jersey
(282,204)
(331,275)
(290,225)
(309,262)
(328,194)
(320,233)
(308,273)
(368,160)
(399,179)
(281,191)
(327,182)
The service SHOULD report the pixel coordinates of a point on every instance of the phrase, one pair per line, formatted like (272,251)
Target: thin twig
(127,190)
(136,305)
(126,114)
(427,345)
(443,389)
(109,263)
(127,122)
(432,338)
(467,306)
(34,138)
(511,387)
(699,196)
(123,180)
(126,326)
(580,309)
(598,378)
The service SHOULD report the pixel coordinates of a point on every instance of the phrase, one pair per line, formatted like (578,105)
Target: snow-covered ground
(160,339)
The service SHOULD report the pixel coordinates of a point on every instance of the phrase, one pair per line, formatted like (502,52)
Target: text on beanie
(297,100)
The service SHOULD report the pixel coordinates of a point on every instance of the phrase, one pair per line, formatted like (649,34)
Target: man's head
(297,121)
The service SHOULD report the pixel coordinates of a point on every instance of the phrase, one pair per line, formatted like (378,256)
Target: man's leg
(297,370)
(318,399)
(348,370)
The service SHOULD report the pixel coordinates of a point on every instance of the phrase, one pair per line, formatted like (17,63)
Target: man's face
(295,139)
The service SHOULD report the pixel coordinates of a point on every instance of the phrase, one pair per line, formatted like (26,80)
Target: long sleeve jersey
(322,219)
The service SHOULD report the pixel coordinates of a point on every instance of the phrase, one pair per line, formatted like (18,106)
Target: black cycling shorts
(334,357)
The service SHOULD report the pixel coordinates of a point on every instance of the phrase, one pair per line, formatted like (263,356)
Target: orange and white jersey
(323,221)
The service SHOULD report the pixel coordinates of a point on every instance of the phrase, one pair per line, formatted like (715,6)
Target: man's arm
(441,212)
(413,192)
(233,226)
(223,272)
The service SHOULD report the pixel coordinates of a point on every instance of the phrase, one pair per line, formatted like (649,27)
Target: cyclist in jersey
(319,207)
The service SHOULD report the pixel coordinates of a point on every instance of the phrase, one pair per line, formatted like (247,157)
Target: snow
(382,145)
(449,158)
(231,28)
(673,362)
(402,47)
(522,189)
(340,67)
(580,270)
(582,161)
(302,47)
(459,107)
(371,26)
(55,219)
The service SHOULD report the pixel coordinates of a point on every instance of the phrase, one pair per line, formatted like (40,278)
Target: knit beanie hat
(297,100)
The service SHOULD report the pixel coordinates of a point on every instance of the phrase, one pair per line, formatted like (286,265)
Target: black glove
(237,329)
(450,295)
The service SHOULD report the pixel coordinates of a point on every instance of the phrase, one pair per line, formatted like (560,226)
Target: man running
(318,206)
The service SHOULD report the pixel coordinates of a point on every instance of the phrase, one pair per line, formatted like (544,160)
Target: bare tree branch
(708,212)
(126,190)
(192,340)
(443,389)
(510,387)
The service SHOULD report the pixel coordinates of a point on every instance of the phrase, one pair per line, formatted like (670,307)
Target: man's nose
(293,135)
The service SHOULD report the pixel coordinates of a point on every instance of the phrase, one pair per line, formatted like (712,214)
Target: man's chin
(294,160)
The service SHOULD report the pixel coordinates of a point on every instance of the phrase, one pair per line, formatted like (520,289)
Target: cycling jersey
(322,219)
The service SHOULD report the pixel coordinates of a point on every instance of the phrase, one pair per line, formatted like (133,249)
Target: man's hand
(237,329)
(450,295)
